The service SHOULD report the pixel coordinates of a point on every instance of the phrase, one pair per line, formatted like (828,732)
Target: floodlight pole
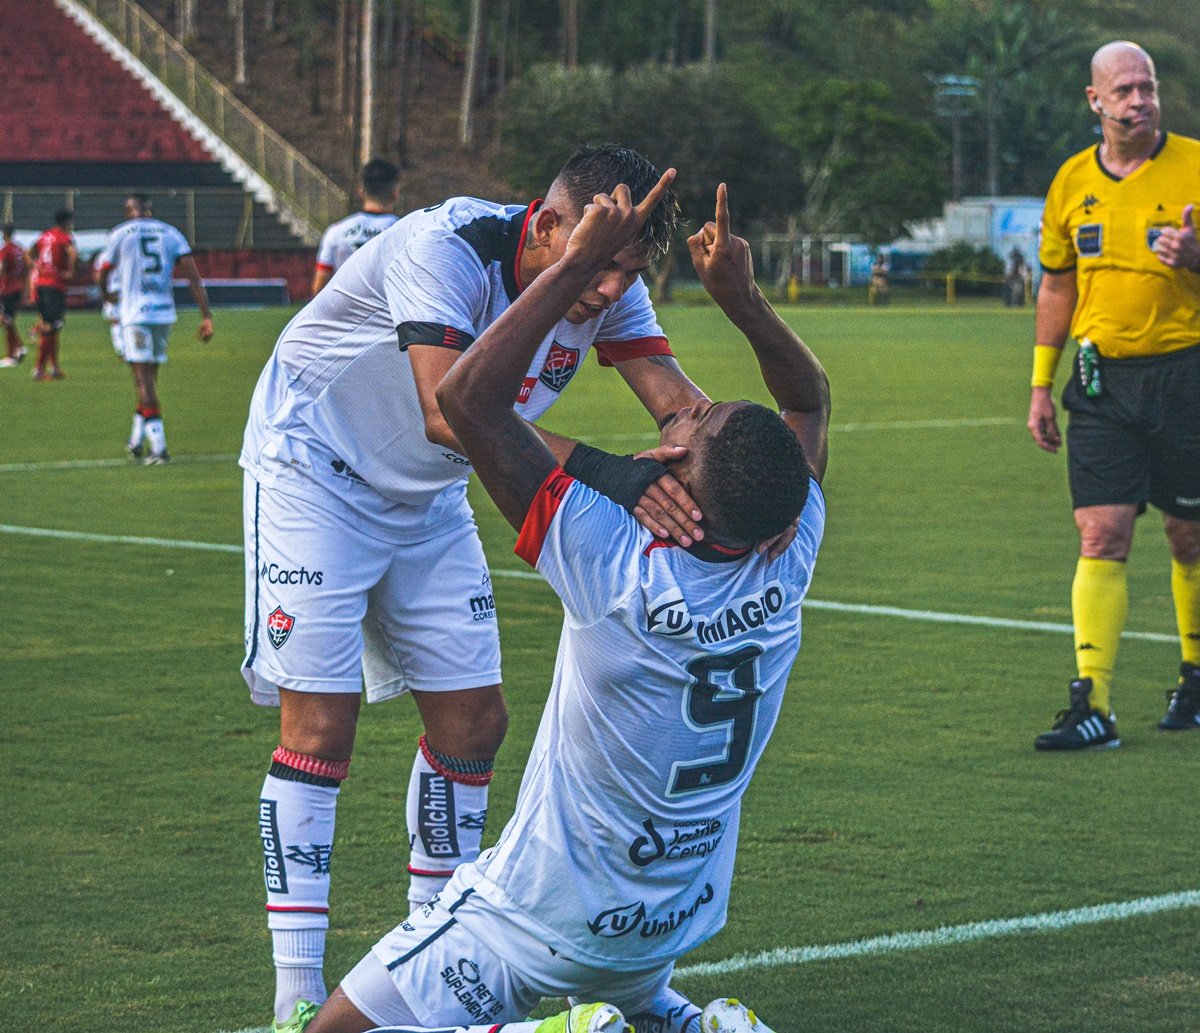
(951,94)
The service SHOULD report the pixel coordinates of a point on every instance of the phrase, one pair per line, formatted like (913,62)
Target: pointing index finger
(656,194)
(722,214)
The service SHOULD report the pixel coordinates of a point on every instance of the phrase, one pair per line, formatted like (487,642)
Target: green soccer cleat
(302,1015)
(729,1015)
(585,1018)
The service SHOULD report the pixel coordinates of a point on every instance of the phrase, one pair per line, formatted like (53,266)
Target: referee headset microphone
(1099,109)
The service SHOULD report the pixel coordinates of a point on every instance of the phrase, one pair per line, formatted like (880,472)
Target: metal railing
(313,198)
(212,218)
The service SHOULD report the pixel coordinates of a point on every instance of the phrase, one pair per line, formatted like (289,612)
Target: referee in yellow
(1121,274)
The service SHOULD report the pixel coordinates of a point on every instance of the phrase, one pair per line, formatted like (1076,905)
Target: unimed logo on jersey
(630,918)
(268,826)
(436,823)
(560,366)
(668,615)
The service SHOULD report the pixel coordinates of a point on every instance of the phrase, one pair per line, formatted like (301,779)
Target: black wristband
(621,478)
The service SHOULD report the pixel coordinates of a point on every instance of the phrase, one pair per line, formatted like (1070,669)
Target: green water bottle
(1089,369)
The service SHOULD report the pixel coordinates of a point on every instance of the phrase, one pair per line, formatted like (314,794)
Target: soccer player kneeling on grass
(581,897)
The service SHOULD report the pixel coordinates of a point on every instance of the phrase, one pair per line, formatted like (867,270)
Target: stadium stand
(77,130)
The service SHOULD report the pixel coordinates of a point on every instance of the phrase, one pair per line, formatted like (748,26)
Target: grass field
(900,794)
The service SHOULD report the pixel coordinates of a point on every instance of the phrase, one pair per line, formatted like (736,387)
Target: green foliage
(693,118)
(966,260)
(830,152)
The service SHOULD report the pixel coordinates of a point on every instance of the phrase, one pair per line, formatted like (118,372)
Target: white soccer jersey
(142,254)
(343,238)
(671,671)
(336,408)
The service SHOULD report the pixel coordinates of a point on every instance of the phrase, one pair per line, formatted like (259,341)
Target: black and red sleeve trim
(436,334)
(609,353)
(541,513)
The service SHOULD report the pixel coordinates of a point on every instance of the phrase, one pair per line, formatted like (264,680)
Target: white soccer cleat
(729,1015)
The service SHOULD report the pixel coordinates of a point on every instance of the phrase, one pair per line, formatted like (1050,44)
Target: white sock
(156,435)
(445,828)
(299,955)
(137,431)
(296,823)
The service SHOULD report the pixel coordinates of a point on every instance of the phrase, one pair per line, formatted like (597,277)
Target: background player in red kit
(14,270)
(53,257)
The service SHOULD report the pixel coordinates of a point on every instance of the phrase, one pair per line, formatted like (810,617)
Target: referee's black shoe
(1183,707)
(1080,727)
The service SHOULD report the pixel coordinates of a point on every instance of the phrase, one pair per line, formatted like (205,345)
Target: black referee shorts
(1139,442)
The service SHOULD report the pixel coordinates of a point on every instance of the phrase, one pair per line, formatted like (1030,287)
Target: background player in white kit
(670,674)
(139,259)
(378,189)
(363,563)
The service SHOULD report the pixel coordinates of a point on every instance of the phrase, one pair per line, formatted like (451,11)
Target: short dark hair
(63,217)
(598,170)
(143,202)
(754,476)
(9,229)
(379,178)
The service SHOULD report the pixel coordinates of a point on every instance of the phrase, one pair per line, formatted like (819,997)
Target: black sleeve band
(621,478)
(436,334)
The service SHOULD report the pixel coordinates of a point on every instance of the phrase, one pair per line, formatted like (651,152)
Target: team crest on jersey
(279,626)
(560,366)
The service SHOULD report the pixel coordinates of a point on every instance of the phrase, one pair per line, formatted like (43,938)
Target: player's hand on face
(666,510)
(205,331)
(722,261)
(612,221)
(1179,248)
(777,546)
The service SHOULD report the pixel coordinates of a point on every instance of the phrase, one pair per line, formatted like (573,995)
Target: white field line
(930,616)
(1046,921)
(836,428)
(950,935)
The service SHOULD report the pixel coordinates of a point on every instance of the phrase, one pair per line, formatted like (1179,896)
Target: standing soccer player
(53,258)
(671,671)
(378,189)
(363,562)
(14,270)
(1121,273)
(142,254)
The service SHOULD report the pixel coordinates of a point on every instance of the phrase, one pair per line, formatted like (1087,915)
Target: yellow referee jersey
(1105,228)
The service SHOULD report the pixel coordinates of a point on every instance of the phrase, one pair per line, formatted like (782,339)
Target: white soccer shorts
(435,969)
(330,607)
(146,343)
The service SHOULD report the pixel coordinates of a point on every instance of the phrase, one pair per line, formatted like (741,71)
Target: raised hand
(612,222)
(723,261)
(1179,248)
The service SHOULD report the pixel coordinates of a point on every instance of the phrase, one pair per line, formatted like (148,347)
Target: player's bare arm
(1055,306)
(204,331)
(791,372)
(476,395)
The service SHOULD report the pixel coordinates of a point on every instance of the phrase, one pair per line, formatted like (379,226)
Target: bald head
(1119,56)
